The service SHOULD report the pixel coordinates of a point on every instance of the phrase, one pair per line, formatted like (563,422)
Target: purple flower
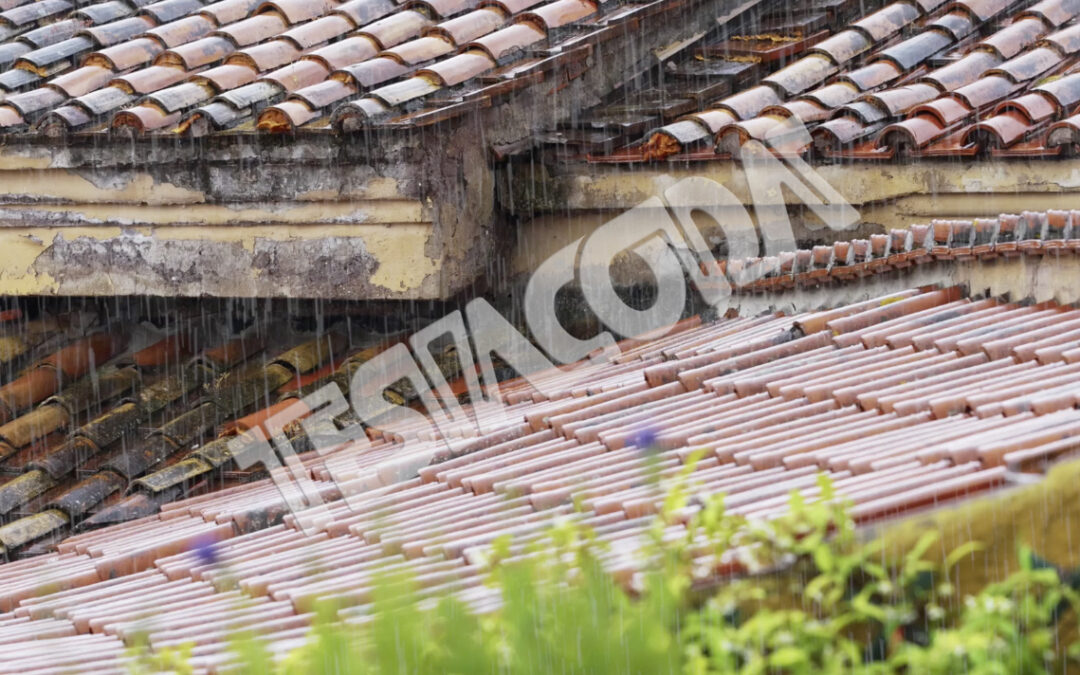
(205,547)
(645,439)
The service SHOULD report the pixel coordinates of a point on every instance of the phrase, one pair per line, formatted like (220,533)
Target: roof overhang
(572,200)
(240,218)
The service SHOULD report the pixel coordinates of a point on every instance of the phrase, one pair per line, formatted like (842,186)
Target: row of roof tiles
(912,79)
(180,65)
(906,401)
(1031,233)
(79,440)
(77,433)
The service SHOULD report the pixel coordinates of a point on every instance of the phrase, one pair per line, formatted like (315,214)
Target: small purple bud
(205,548)
(645,439)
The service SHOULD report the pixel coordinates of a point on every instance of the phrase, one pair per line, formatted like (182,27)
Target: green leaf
(962,551)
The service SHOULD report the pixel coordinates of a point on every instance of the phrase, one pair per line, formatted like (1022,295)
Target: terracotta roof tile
(254,29)
(320,31)
(228,11)
(467,27)
(296,11)
(848,89)
(559,13)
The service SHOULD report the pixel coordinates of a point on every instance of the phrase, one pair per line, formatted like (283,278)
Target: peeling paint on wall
(346,261)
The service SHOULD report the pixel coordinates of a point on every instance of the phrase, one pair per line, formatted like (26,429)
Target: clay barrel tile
(1036,459)
(396,28)
(981,10)
(963,71)
(34,425)
(443,8)
(1064,133)
(947,111)
(711,121)
(149,79)
(985,90)
(854,120)
(956,24)
(510,7)
(1059,224)
(25,530)
(171,10)
(832,95)
(895,309)
(75,359)
(750,102)
(81,81)
(468,27)
(911,52)
(49,34)
(458,69)
(229,11)
(35,100)
(297,11)
(804,110)
(732,137)
(1028,65)
(896,102)
(507,42)
(670,139)
(1065,91)
(355,115)
(887,21)
(872,75)
(1049,351)
(88,493)
(559,13)
(126,55)
(363,12)
(805,73)
(284,117)
(35,11)
(224,78)
(253,30)
(143,118)
(182,32)
(324,94)
(10,51)
(420,50)
(181,97)
(319,31)
(999,131)
(44,61)
(106,12)
(347,52)
(910,134)
(1066,41)
(119,31)
(371,73)
(297,75)
(194,55)
(1014,38)
(843,46)
(1054,12)
(266,56)
(1036,106)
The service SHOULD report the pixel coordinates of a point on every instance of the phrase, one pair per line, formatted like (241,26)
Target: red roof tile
(905,401)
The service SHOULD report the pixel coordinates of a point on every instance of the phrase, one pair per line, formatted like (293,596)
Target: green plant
(810,597)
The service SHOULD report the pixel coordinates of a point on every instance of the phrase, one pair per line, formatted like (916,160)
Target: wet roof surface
(925,78)
(192,67)
(909,80)
(907,401)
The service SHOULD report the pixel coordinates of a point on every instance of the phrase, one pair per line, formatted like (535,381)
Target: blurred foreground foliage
(809,597)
